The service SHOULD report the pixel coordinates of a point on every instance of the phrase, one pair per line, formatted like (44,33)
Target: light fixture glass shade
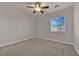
(38,9)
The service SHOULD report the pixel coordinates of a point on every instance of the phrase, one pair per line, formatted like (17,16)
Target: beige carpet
(38,47)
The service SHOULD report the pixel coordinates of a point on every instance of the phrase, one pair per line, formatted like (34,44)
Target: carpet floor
(38,47)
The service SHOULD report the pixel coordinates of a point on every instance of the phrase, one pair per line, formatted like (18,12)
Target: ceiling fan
(38,7)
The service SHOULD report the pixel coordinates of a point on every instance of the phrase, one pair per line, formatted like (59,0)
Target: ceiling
(21,6)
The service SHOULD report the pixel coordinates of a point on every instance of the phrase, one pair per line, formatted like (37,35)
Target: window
(57,24)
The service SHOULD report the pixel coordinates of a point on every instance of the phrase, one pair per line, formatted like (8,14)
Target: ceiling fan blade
(41,11)
(34,11)
(29,6)
(45,7)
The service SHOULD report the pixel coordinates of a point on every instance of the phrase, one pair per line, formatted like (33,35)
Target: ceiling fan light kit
(38,7)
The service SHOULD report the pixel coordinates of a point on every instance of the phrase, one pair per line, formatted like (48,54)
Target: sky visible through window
(57,22)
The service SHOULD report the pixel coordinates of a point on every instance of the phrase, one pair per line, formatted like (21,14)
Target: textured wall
(14,25)
(43,30)
(76,26)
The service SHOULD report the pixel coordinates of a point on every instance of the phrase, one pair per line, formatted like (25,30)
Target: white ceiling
(21,6)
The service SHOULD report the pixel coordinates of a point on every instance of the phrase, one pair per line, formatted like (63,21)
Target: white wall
(76,27)
(14,25)
(43,27)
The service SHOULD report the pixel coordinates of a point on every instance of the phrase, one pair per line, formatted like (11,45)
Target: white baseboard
(10,43)
(76,48)
(40,37)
